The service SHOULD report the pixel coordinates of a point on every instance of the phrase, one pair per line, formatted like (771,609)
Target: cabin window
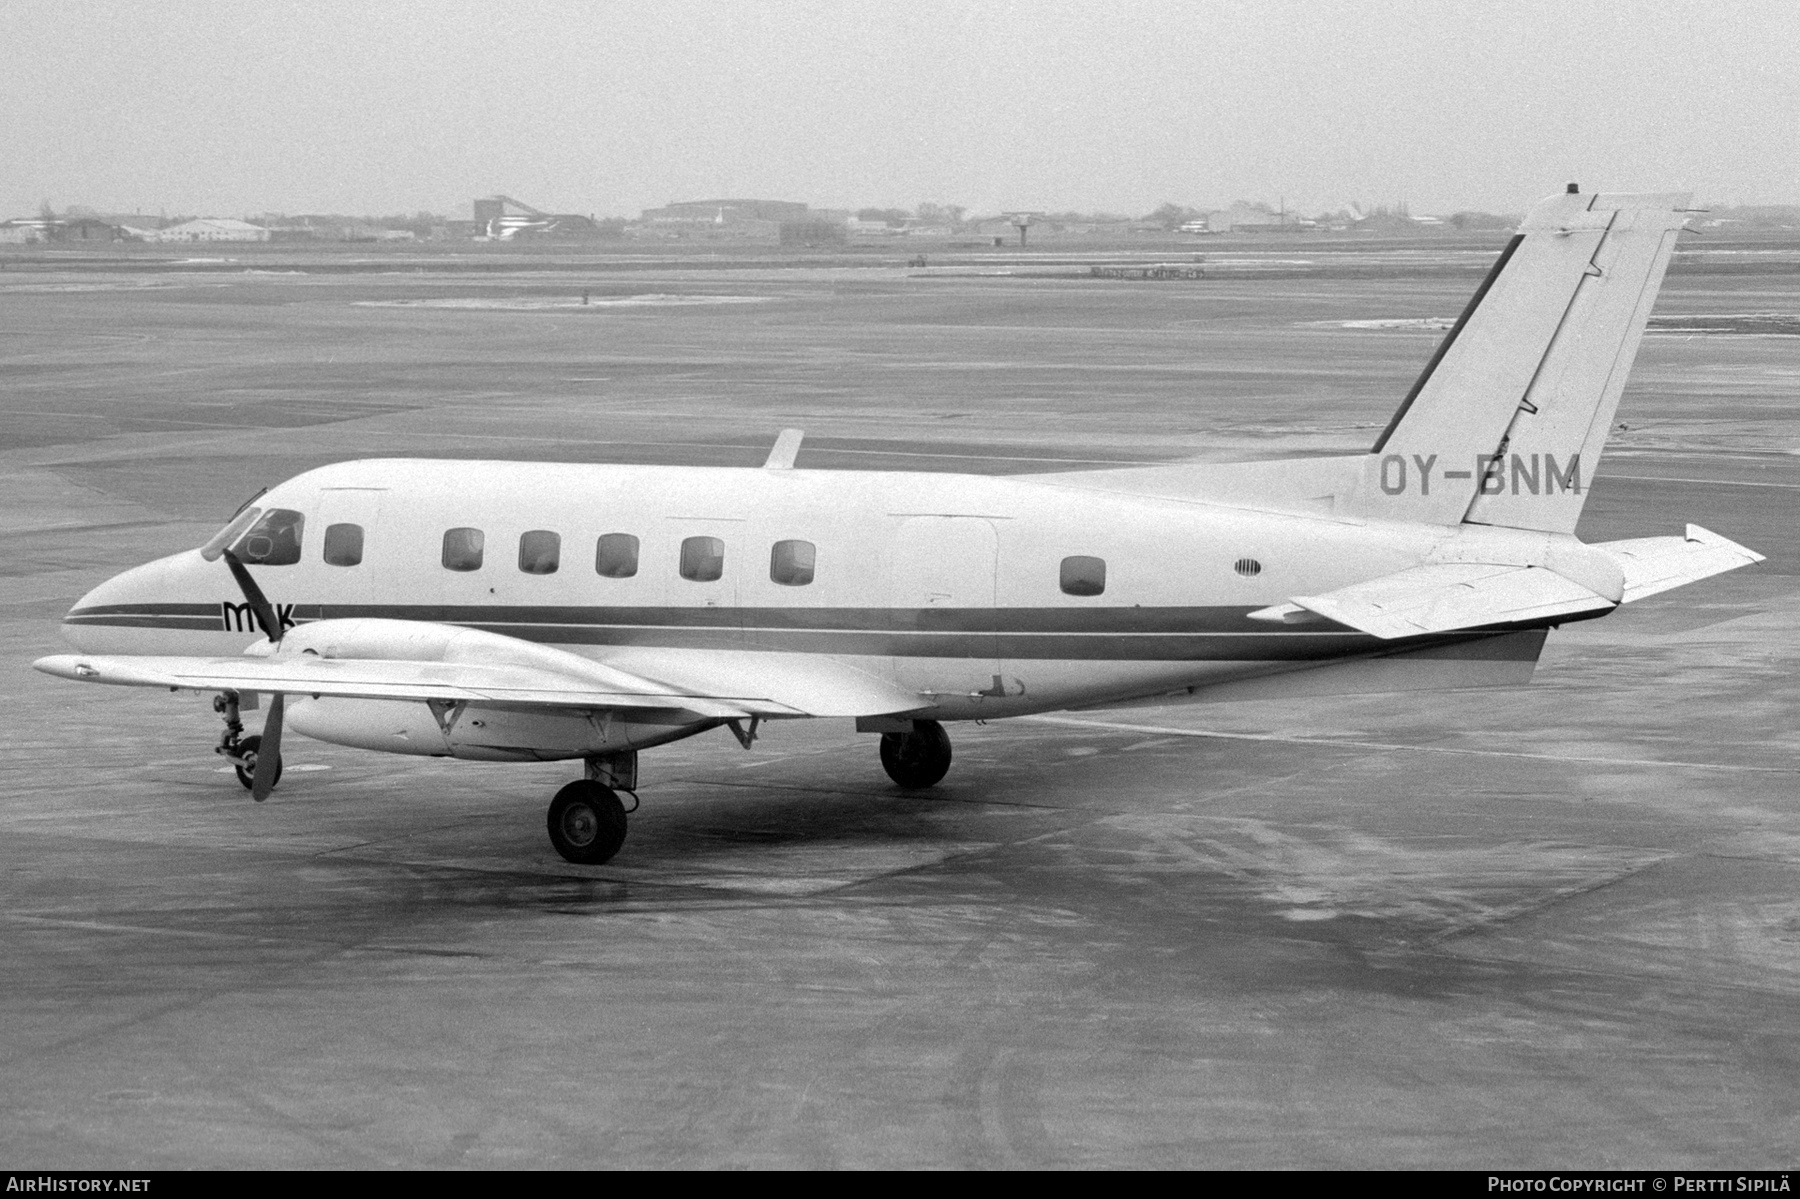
(343,545)
(540,552)
(616,555)
(272,541)
(791,563)
(702,559)
(462,549)
(1248,567)
(1082,575)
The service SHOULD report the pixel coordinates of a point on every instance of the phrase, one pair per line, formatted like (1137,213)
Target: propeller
(268,753)
(259,603)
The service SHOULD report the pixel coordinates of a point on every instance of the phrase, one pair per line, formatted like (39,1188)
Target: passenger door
(941,581)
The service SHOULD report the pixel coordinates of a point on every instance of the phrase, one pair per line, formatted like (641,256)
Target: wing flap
(1446,597)
(1653,564)
(810,683)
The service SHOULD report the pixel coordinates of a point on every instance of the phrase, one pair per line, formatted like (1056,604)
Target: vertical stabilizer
(1506,424)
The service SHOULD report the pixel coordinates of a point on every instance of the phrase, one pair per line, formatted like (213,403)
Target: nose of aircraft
(150,609)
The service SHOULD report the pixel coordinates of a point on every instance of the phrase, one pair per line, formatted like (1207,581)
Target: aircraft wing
(1653,564)
(305,674)
(420,660)
(1445,597)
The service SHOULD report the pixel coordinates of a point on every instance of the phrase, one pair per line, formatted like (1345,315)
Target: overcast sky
(609,107)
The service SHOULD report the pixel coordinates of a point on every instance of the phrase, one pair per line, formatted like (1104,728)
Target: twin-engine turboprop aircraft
(512,611)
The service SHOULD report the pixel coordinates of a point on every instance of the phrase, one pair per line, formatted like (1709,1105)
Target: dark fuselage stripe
(1111,620)
(199,624)
(1118,635)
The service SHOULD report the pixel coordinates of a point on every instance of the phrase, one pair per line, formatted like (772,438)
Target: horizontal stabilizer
(1653,564)
(1446,597)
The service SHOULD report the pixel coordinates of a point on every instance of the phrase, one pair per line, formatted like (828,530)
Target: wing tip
(1705,536)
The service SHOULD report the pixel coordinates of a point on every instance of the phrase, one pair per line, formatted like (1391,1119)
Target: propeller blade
(259,603)
(268,753)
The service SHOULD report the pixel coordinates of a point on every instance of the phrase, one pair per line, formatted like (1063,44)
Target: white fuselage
(951,586)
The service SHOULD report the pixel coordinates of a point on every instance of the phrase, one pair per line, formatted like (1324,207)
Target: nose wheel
(918,759)
(587,822)
(238,749)
(245,762)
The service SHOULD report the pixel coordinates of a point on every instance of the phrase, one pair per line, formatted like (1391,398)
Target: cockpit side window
(272,541)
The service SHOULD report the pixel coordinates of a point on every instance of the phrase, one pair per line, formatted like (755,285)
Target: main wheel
(246,771)
(917,759)
(587,823)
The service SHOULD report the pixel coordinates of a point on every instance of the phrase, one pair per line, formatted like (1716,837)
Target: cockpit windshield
(260,537)
(221,541)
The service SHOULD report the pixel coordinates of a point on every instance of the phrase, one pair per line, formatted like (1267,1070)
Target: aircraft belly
(481,733)
(1045,685)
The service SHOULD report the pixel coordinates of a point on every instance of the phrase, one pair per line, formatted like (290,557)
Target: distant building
(698,214)
(90,229)
(1257,218)
(502,218)
(814,233)
(212,228)
(24,231)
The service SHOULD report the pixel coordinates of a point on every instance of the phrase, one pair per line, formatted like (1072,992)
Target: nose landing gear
(236,748)
(245,765)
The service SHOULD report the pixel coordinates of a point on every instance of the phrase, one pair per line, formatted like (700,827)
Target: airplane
(626,607)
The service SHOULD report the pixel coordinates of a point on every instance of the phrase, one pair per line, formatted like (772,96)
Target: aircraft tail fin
(1506,424)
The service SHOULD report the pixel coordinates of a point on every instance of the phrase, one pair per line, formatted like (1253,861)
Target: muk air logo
(1538,474)
(241,618)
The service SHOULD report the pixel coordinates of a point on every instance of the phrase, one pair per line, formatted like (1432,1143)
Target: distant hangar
(502,218)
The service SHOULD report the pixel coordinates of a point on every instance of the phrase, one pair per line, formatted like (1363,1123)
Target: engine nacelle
(483,734)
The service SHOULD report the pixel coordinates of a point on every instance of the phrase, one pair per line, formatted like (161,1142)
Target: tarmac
(1545,927)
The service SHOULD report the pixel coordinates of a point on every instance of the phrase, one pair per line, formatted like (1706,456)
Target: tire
(918,759)
(586,822)
(248,747)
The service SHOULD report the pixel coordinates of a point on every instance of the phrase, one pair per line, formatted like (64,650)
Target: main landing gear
(916,759)
(586,819)
(236,748)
